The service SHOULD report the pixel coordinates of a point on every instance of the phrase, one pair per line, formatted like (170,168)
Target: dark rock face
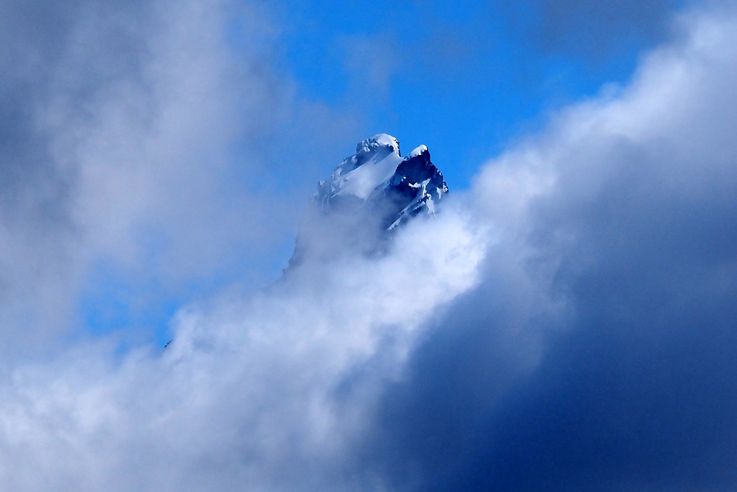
(377,177)
(415,186)
(368,195)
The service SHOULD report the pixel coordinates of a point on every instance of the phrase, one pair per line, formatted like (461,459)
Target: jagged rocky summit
(370,194)
(381,179)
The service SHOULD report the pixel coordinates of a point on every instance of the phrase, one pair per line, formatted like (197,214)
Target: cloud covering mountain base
(567,323)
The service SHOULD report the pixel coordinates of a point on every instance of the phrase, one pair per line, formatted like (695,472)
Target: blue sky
(465,79)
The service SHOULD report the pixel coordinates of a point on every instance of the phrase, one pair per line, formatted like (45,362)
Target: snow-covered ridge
(368,195)
(378,176)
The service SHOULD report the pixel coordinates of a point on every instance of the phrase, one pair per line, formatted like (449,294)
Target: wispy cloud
(566,323)
(268,392)
(140,137)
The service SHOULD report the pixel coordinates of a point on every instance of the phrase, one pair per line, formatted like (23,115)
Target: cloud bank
(265,393)
(137,147)
(597,352)
(568,323)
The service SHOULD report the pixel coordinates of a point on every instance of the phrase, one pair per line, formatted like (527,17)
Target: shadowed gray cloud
(140,140)
(38,234)
(596,28)
(567,324)
(605,360)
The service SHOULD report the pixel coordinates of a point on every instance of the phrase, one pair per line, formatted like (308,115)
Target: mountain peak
(377,172)
(368,195)
(380,140)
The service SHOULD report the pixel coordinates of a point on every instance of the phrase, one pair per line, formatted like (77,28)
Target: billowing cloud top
(566,324)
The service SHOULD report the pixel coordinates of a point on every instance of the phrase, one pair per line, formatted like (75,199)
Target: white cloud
(248,394)
(279,390)
(141,140)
